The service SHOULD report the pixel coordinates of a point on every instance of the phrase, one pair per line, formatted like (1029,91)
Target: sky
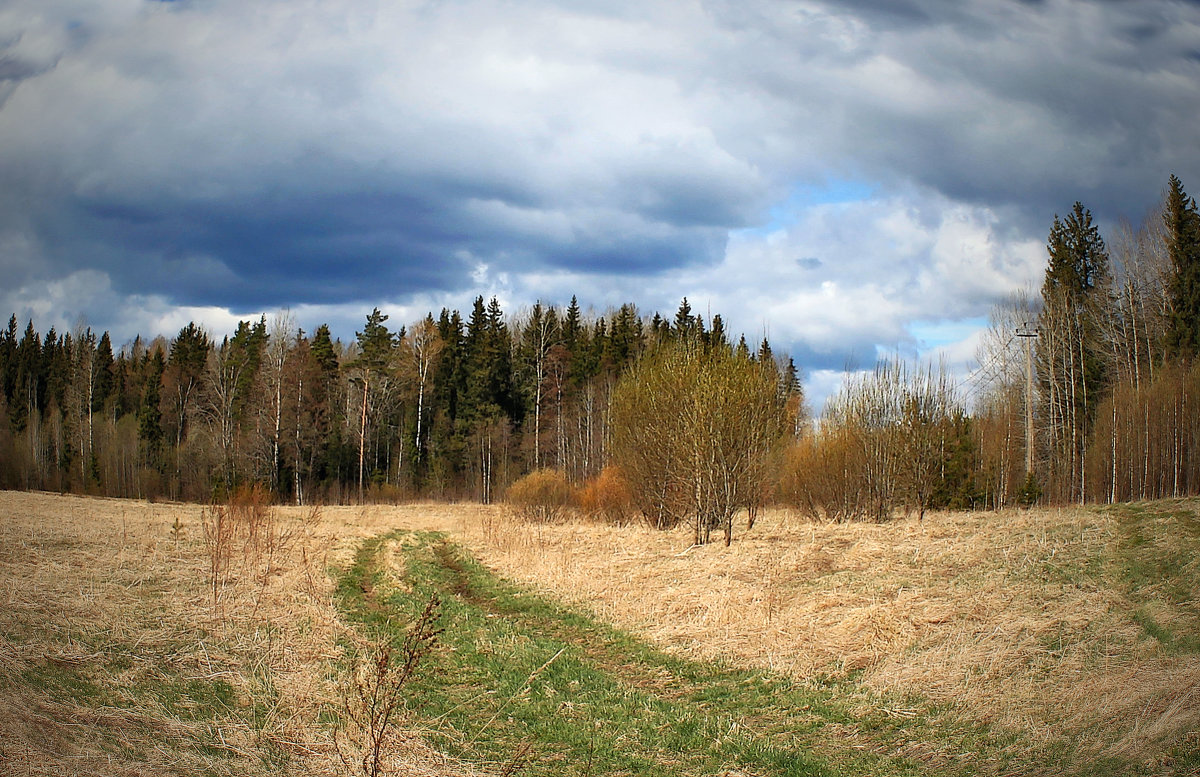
(849,178)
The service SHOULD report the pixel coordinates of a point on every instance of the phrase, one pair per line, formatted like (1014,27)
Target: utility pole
(1028,332)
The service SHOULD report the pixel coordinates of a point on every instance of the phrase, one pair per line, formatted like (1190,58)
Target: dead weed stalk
(374,694)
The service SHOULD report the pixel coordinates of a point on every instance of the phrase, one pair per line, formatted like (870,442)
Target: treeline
(446,407)
(1089,391)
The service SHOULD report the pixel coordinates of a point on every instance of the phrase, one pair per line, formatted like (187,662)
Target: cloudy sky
(848,177)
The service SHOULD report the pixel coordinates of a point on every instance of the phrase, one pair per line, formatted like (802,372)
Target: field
(132,641)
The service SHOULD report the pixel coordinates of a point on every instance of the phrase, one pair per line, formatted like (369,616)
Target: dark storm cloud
(243,176)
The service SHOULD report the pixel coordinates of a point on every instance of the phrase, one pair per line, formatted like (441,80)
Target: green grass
(1156,562)
(517,671)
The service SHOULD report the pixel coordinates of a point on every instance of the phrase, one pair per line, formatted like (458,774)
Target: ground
(1022,642)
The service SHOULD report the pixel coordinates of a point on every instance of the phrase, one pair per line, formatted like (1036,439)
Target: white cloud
(847,278)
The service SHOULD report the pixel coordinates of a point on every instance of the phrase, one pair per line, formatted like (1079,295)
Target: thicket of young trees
(447,407)
(697,429)
(1089,391)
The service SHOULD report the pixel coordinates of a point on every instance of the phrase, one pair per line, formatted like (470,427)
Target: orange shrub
(606,497)
(822,478)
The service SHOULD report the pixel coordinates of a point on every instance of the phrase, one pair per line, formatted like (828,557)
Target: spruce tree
(150,431)
(1071,365)
(376,350)
(1182,338)
(571,325)
(27,379)
(8,359)
(742,350)
(685,322)
(105,377)
(717,338)
(185,370)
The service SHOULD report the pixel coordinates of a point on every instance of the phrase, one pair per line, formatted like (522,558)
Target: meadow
(164,638)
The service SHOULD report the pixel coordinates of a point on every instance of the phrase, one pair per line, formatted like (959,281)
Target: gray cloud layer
(247,156)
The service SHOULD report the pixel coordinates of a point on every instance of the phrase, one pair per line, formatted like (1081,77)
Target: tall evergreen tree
(247,344)
(335,459)
(685,323)
(624,341)
(105,377)
(376,350)
(742,350)
(1072,371)
(56,370)
(717,337)
(185,370)
(572,324)
(8,359)
(1183,284)
(765,354)
(150,431)
(27,380)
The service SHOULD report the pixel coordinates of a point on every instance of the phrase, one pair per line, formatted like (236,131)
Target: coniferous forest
(1088,390)
(450,406)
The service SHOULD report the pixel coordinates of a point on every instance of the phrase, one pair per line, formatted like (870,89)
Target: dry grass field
(1073,628)
(1077,630)
(116,658)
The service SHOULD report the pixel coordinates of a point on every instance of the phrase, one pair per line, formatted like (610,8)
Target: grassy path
(516,673)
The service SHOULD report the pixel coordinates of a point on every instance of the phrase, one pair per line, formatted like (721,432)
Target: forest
(1087,392)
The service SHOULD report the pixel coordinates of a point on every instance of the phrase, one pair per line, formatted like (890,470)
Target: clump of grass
(245,530)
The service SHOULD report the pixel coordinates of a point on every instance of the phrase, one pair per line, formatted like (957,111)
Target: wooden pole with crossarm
(1028,332)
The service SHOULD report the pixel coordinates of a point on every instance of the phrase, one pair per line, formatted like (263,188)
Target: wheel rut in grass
(609,655)
(515,667)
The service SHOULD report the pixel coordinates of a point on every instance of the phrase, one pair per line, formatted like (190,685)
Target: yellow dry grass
(117,594)
(976,611)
